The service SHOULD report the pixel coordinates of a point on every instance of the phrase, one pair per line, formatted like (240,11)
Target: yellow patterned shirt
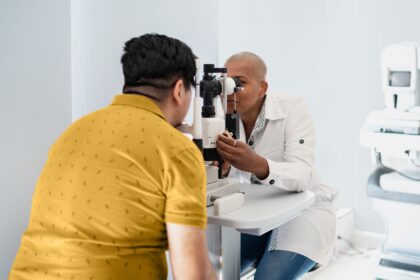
(111,182)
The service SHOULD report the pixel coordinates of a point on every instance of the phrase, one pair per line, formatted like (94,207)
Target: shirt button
(272,182)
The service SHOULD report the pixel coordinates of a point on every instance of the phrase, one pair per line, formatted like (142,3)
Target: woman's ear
(177,92)
(263,88)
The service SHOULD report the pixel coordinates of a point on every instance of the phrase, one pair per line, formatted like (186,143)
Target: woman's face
(252,87)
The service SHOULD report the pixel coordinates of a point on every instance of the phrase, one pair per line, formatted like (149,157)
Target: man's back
(111,182)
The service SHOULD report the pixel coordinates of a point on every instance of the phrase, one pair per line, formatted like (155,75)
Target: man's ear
(177,92)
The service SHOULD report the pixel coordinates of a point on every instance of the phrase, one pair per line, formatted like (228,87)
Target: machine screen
(399,78)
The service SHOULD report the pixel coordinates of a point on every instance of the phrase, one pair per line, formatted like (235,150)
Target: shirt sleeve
(186,190)
(296,172)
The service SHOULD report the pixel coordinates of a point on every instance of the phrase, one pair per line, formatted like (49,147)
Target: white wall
(34,105)
(326,51)
(101,27)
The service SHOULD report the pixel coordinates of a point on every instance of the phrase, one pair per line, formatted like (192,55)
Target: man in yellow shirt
(121,185)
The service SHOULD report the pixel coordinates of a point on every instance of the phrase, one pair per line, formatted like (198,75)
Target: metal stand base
(394,266)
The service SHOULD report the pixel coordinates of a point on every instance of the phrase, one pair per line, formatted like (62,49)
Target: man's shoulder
(177,142)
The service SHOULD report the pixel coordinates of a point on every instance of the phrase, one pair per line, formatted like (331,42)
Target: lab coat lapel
(270,141)
(274,108)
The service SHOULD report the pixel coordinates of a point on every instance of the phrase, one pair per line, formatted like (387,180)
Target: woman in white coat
(276,147)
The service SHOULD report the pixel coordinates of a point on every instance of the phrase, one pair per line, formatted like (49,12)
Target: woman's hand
(241,156)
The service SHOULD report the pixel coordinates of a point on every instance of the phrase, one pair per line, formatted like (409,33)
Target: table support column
(224,245)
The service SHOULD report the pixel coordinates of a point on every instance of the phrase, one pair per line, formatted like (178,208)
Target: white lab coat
(288,143)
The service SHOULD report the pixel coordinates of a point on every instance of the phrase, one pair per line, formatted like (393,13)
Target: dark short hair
(157,61)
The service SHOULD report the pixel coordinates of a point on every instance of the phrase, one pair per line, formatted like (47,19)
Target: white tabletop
(265,208)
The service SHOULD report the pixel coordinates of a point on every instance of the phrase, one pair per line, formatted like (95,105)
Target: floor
(348,264)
